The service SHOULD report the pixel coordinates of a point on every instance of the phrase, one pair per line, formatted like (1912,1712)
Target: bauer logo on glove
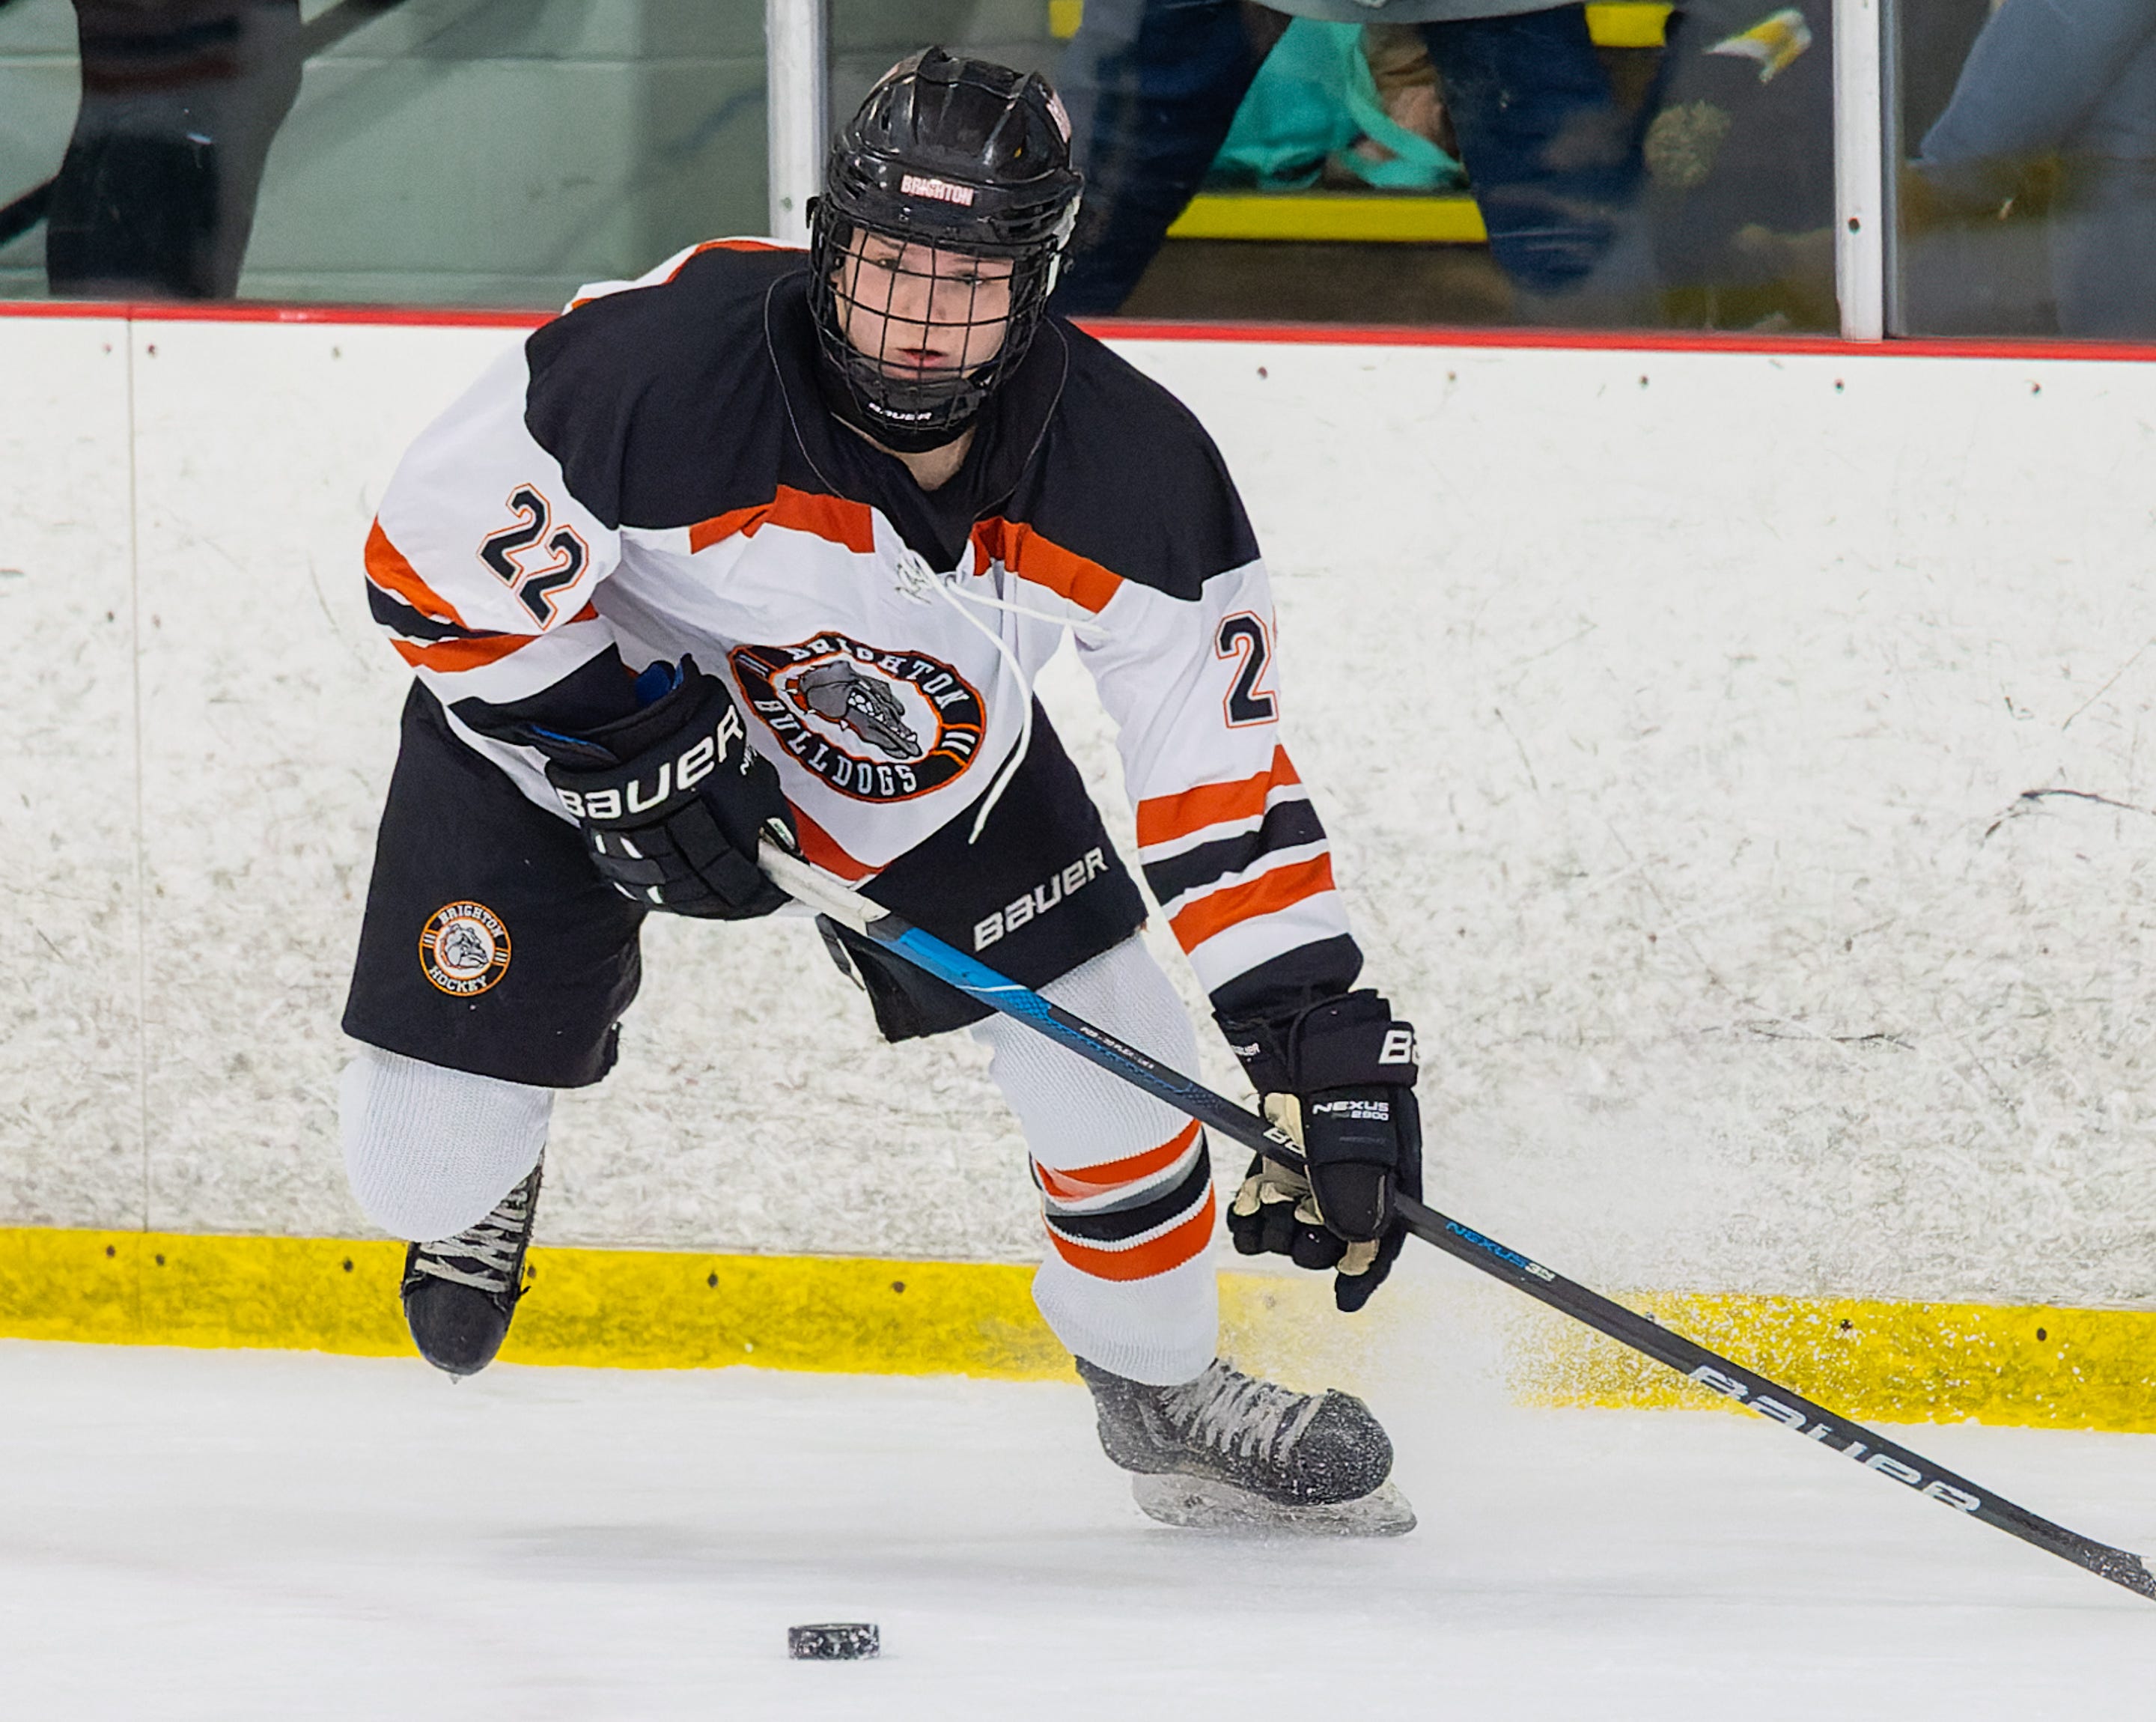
(695,763)
(672,799)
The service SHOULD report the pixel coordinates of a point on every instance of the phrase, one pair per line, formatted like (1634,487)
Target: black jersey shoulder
(1127,477)
(660,401)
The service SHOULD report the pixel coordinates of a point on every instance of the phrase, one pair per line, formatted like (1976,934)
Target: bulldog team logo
(875,725)
(464,949)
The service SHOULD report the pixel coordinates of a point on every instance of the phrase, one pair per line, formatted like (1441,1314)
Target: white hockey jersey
(656,473)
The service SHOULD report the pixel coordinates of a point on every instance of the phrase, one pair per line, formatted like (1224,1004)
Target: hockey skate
(459,1292)
(1228,1452)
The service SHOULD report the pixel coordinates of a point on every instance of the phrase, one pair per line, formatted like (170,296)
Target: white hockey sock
(1128,1280)
(429,1151)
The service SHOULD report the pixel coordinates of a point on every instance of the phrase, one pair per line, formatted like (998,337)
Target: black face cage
(898,402)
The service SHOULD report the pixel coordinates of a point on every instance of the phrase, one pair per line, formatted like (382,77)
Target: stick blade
(1203,1503)
(2123,1568)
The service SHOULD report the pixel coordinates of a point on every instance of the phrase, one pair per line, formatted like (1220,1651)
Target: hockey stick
(819,891)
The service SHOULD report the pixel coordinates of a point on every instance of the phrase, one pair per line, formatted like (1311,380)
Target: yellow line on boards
(595,1308)
(1906,1362)
(1887,1362)
(623,1308)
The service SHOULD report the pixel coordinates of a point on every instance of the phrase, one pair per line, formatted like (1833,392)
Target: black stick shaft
(1872,1451)
(1812,1420)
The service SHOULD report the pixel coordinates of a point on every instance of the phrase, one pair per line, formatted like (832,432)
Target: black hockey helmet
(950,162)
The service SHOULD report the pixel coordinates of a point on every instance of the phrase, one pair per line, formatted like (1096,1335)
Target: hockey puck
(833,1641)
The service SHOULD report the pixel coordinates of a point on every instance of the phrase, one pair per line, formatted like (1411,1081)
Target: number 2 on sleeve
(1243,636)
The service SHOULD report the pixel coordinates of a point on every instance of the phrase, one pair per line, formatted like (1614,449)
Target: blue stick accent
(1489,1244)
(975,979)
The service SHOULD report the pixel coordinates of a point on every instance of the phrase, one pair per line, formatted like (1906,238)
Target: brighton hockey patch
(875,725)
(464,949)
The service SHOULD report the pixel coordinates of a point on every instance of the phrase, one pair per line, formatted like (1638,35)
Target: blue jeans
(1153,87)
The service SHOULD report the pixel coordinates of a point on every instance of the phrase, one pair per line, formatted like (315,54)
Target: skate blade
(1202,1503)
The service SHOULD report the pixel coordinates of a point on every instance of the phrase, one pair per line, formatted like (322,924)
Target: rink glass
(501,152)
(493,152)
(2023,157)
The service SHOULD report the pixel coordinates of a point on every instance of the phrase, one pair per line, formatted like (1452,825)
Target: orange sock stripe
(1184,1243)
(1072,1184)
(1262,896)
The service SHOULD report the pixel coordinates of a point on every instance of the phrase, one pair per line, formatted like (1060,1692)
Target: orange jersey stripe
(1164,818)
(454,655)
(1075,1184)
(851,524)
(388,568)
(1261,896)
(721,527)
(1047,562)
(819,848)
(1183,1243)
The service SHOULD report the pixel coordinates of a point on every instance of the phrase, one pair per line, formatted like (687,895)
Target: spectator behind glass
(181,99)
(1153,87)
(1342,106)
(1740,164)
(2076,78)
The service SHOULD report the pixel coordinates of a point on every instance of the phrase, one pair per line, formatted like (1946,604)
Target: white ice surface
(238,1535)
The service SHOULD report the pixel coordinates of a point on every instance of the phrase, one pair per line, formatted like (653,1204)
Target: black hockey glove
(1339,1078)
(672,799)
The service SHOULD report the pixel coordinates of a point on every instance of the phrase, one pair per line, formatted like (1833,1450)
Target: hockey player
(769,544)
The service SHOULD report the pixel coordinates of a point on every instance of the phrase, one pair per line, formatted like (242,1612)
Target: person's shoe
(1228,1449)
(460,1291)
